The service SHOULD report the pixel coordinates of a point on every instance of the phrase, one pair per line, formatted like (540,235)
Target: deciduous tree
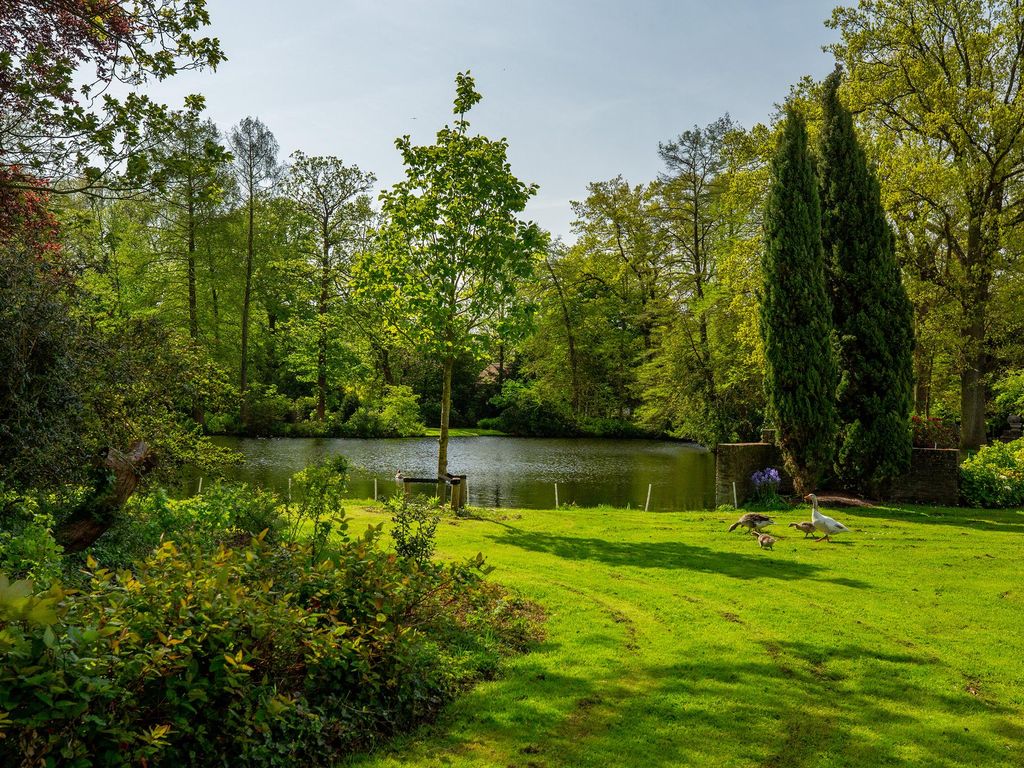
(452,247)
(941,84)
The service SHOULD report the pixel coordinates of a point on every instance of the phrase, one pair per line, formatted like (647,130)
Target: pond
(501,471)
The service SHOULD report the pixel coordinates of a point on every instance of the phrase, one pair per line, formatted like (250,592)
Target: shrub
(27,547)
(525,412)
(994,476)
(221,513)
(619,428)
(318,513)
(414,523)
(400,413)
(268,410)
(243,655)
(933,432)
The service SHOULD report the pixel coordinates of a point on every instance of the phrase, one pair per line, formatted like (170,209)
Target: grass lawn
(673,643)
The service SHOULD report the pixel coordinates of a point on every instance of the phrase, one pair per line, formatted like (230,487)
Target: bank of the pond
(673,643)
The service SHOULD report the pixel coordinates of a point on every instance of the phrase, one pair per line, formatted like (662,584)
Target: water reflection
(503,471)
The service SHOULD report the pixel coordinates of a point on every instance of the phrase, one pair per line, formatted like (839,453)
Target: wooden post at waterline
(556,495)
(375,489)
(647,504)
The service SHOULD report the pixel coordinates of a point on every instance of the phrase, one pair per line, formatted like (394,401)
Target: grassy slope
(671,642)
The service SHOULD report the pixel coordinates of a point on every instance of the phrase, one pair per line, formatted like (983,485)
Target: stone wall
(934,476)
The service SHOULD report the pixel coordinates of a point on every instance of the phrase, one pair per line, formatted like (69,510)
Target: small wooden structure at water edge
(456,485)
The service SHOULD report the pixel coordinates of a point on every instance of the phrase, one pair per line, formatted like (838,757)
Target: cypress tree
(796,318)
(871,313)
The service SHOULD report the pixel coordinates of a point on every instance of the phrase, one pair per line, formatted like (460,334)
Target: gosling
(765,541)
(807,527)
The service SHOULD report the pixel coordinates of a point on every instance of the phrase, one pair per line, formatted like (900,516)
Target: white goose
(827,525)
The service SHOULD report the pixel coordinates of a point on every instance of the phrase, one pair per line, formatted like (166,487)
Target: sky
(582,90)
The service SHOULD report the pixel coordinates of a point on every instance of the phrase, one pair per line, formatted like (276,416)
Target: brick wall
(934,476)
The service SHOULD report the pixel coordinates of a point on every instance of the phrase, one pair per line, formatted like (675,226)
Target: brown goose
(765,541)
(753,522)
(807,527)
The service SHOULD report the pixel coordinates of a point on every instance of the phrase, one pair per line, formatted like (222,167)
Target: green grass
(673,643)
(465,432)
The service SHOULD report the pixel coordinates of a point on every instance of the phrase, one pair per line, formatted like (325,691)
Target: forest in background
(224,272)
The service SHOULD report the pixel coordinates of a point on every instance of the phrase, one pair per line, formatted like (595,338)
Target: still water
(502,471)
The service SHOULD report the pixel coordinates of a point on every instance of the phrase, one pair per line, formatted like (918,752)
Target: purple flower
(768,476)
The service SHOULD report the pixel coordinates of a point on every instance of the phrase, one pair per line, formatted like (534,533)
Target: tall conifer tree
(796,317)
(871,313)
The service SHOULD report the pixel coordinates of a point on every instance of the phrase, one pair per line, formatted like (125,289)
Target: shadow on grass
(1000,520)
(670,555)
(796,705)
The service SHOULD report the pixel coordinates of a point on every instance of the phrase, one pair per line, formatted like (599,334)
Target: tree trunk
(193,310)
(321,342)
(972,385)
(924,364)
(570,339)
(384,357)
(193,304)
(442,440)
(246,298)
(119,476)
(215,305)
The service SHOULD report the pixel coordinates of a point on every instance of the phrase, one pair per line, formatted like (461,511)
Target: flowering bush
(994,476)
(766,488)
(766,479)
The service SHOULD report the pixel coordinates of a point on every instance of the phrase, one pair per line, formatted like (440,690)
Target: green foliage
(936,84)
(1010,392)
(246,654)
(400,413)
(71,79)
(994,476)
(268,410)
(223,512)
(27,546)
(414,524)
(871,313)
(796,317)
(524,411)
(40,365)
(320,489)
(452,250)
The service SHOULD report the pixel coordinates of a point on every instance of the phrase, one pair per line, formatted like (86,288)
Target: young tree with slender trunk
(256,170)
(452,249)
(796,316)
(332,202)
(871,313)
